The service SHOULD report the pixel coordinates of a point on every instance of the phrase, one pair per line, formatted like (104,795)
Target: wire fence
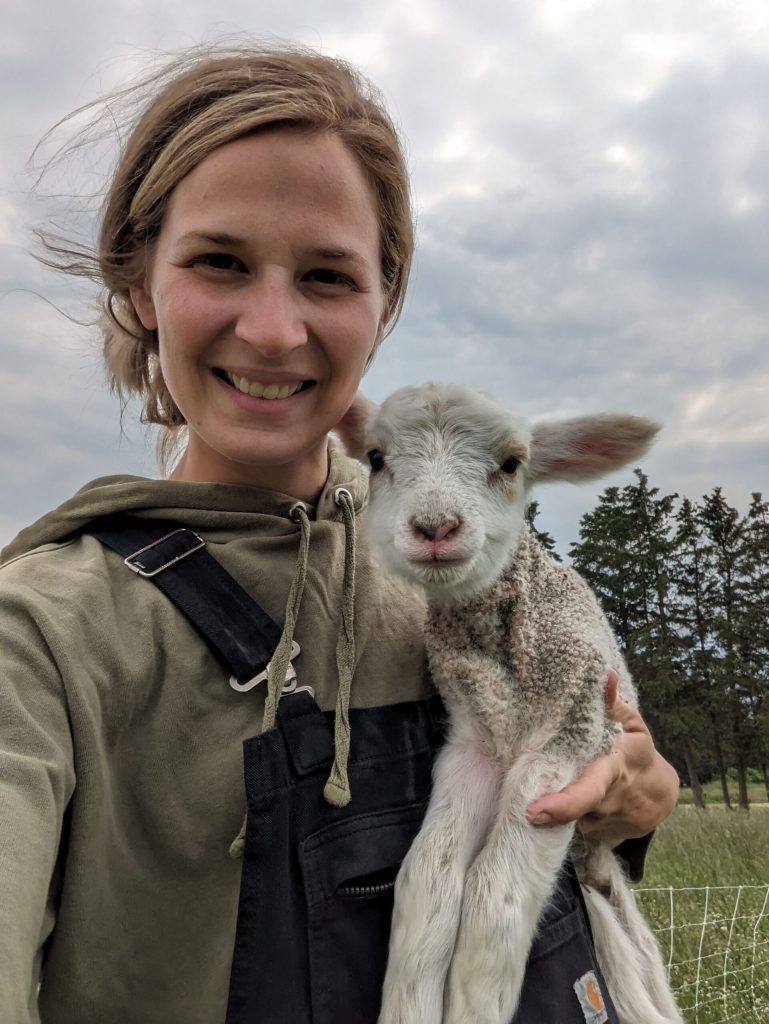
(715,940)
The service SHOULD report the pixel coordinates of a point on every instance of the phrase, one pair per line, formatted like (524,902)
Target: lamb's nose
(435,532)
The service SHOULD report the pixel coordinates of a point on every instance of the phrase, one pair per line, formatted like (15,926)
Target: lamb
(519,650)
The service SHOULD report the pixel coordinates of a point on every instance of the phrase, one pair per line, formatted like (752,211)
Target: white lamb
(519,650)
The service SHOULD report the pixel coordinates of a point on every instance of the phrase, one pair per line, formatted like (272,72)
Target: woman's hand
(622,795)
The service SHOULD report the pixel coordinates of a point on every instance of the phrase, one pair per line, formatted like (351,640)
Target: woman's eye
(218,261)
(376,459)
(323,275)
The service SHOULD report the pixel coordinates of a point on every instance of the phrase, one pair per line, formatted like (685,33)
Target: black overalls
(317,887)
(316,892)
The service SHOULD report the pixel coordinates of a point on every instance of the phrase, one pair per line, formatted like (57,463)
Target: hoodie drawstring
(276,670)
(276,673)
(337,788)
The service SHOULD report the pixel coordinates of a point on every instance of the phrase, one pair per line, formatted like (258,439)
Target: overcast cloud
(592,186)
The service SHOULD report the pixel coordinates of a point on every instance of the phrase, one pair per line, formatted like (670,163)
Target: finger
(627,716)
(612,682)
(578,798)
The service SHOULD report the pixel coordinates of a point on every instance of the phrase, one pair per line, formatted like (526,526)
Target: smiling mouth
(258,389)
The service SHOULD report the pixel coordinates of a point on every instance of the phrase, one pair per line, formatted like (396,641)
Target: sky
(591,179)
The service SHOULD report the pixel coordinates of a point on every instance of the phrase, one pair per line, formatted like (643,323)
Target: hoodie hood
(201,506)
(221,513)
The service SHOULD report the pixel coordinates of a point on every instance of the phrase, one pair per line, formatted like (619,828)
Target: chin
(446,584)
(461,583)
(267,451)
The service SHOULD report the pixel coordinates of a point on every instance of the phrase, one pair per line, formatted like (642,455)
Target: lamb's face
(448,493)
(450,473)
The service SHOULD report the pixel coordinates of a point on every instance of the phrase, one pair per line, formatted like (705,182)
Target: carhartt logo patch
(590,999)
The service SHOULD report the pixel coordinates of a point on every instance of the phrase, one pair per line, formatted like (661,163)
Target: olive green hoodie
(121,782)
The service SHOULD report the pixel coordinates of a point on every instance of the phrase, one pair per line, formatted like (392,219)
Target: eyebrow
(215,237)
(335,253)
(338,254)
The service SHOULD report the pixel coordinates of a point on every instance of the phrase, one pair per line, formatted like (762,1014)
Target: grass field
(717,864)
(712,794)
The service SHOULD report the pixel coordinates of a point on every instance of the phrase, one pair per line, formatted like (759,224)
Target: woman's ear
(353,428)
(144,306)
(383,322)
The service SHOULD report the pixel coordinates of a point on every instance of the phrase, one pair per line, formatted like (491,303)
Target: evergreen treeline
(686,587)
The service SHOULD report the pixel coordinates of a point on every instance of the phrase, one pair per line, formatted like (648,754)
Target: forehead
(450,416)
(279,178)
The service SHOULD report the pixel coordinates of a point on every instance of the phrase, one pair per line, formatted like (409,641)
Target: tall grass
(706,892)
(711,847)
(711,792)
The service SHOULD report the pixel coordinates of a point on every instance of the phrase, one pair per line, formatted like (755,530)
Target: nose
(270,319)
(436,531)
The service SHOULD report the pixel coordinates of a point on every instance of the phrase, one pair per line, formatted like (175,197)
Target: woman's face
(265,288)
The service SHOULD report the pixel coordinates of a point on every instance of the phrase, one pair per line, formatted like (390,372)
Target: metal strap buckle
(141,570)
(289,683)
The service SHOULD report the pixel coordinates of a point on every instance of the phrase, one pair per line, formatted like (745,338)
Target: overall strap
(175,559)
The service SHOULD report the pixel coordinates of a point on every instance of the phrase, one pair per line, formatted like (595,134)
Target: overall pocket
(349,872)
(563,983)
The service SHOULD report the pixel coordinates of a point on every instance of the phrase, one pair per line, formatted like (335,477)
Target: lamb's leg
(428,890)
(506,889)
(626,949)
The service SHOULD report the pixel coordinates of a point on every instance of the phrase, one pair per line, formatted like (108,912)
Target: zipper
(360,891)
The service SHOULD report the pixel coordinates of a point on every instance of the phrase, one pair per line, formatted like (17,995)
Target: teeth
(270,391)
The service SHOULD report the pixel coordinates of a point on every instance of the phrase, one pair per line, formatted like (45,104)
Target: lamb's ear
(354,425)
(588,447)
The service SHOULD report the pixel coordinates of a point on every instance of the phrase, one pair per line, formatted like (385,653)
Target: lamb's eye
(509,465)
(376,459)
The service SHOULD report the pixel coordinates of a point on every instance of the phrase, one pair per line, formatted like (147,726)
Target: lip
(264,406)
(439,563)
(267,376)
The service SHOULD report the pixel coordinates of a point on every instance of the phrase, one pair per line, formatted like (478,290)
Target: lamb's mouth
(448,571)
(436,564)
(258,389)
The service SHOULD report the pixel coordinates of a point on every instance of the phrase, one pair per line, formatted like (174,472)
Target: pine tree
(690,574)
(545,539)
(657,649)
(755,625)
(687,594)
(724,530)
(605,558)
(624,554)
(655,642)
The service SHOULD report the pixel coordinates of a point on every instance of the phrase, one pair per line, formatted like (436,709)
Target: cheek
(182,331)
(184,324)
(170,352)
(356,332)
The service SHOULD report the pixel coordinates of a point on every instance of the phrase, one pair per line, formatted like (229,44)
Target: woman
(255,247)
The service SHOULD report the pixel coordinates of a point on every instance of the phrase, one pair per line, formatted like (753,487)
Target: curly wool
(528,658)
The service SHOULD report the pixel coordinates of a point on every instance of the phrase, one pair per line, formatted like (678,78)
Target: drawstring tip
(237,847)
(337,791)
(238,844)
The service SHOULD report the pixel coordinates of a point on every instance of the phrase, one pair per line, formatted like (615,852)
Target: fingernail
(543,818)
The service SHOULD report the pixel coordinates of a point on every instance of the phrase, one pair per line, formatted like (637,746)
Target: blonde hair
(200,101)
